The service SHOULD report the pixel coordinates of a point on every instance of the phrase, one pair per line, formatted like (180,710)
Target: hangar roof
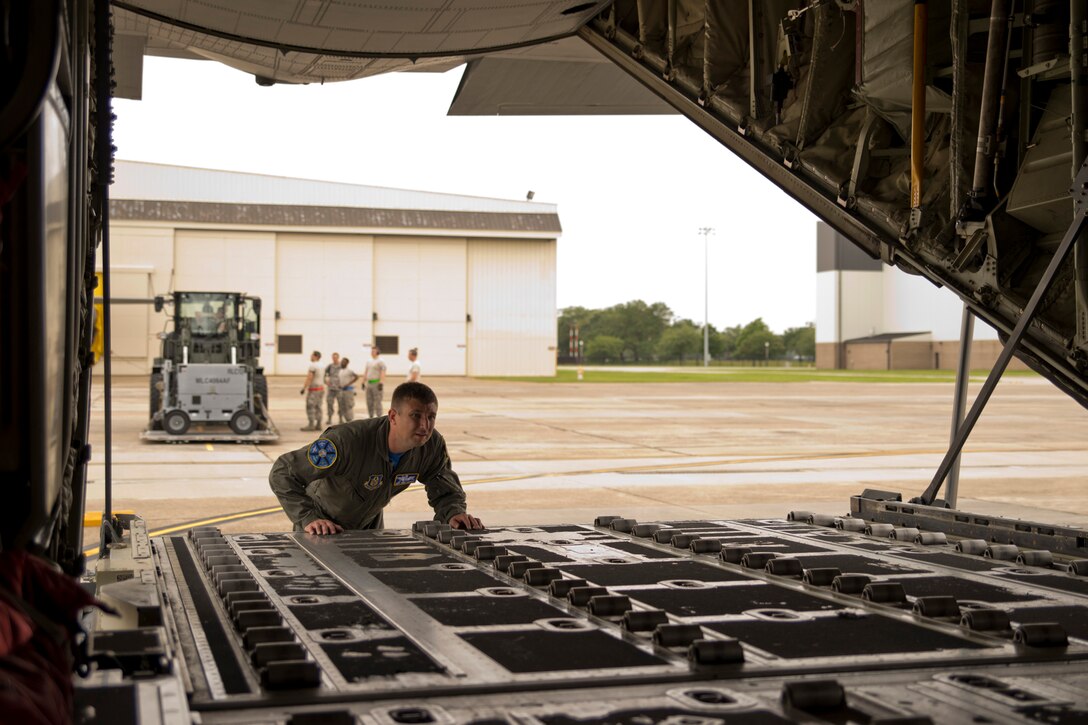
(159,192)
(163,182)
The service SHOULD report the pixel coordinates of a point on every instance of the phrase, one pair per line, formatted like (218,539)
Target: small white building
(470,281)
(870,316)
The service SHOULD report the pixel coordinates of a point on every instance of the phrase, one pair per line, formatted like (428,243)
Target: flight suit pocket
(401,482)
(345,505)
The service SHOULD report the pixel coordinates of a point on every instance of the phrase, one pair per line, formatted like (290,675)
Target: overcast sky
(632,191)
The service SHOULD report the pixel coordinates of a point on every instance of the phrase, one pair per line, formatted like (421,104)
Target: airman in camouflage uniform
(314,392)
(332,386)
(345,479)
(374,379)
(346,377)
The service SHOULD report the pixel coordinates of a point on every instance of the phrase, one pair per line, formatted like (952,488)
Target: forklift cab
(206,314)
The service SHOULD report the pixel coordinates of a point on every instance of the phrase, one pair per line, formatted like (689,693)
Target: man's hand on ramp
(323,526)
(466,521)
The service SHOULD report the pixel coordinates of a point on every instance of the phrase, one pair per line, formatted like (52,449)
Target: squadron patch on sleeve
(322,453)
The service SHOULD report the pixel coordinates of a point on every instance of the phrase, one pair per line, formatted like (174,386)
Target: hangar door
(216,261)
(130,341)
(512,304)
(420,301)
(323,299)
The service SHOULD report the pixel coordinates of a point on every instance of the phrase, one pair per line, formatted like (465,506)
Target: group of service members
(336,383)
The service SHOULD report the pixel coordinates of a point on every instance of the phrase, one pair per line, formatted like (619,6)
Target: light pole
(766,352)
(706,232)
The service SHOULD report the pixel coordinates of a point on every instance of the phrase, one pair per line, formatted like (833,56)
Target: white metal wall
(131,340)
(221,261)
(144,246)
(827,306)
(861,312)
(913,304)
(887,301)
(511,300)
(420,297)
(152,250)
(323,293)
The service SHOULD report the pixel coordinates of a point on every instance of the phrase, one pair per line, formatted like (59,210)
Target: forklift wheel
(243,423)
(176,422)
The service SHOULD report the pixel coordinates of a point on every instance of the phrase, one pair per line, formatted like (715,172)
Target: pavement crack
(598,436)
(666,502)
(575,432)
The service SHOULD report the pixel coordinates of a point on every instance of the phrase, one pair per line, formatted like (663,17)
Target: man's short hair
(413,391)
(376,349)
(316,353)
(414,351)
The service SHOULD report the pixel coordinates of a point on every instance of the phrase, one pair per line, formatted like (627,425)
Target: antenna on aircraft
(529,195)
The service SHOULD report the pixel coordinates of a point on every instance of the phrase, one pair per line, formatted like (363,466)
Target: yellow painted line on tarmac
(217,520)
(93,550)
(93,519)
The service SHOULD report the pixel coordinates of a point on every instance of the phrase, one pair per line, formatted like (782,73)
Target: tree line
(634,332)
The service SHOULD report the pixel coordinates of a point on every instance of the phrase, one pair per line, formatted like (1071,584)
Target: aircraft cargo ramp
(752,621)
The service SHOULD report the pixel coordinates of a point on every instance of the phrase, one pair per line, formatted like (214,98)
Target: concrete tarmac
(531,453)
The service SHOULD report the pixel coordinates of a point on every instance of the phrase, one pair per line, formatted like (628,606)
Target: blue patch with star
(322,453)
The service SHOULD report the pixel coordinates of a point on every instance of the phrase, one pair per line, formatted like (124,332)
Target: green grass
(756,375)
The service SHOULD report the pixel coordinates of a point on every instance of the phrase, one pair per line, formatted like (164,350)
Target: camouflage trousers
(347,405)
(332,395)
(374,400)
(313,407)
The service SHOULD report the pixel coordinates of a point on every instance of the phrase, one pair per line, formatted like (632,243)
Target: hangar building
(870,316)
(470,281)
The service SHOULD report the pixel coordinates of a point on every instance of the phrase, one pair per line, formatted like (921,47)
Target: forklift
(208,372)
